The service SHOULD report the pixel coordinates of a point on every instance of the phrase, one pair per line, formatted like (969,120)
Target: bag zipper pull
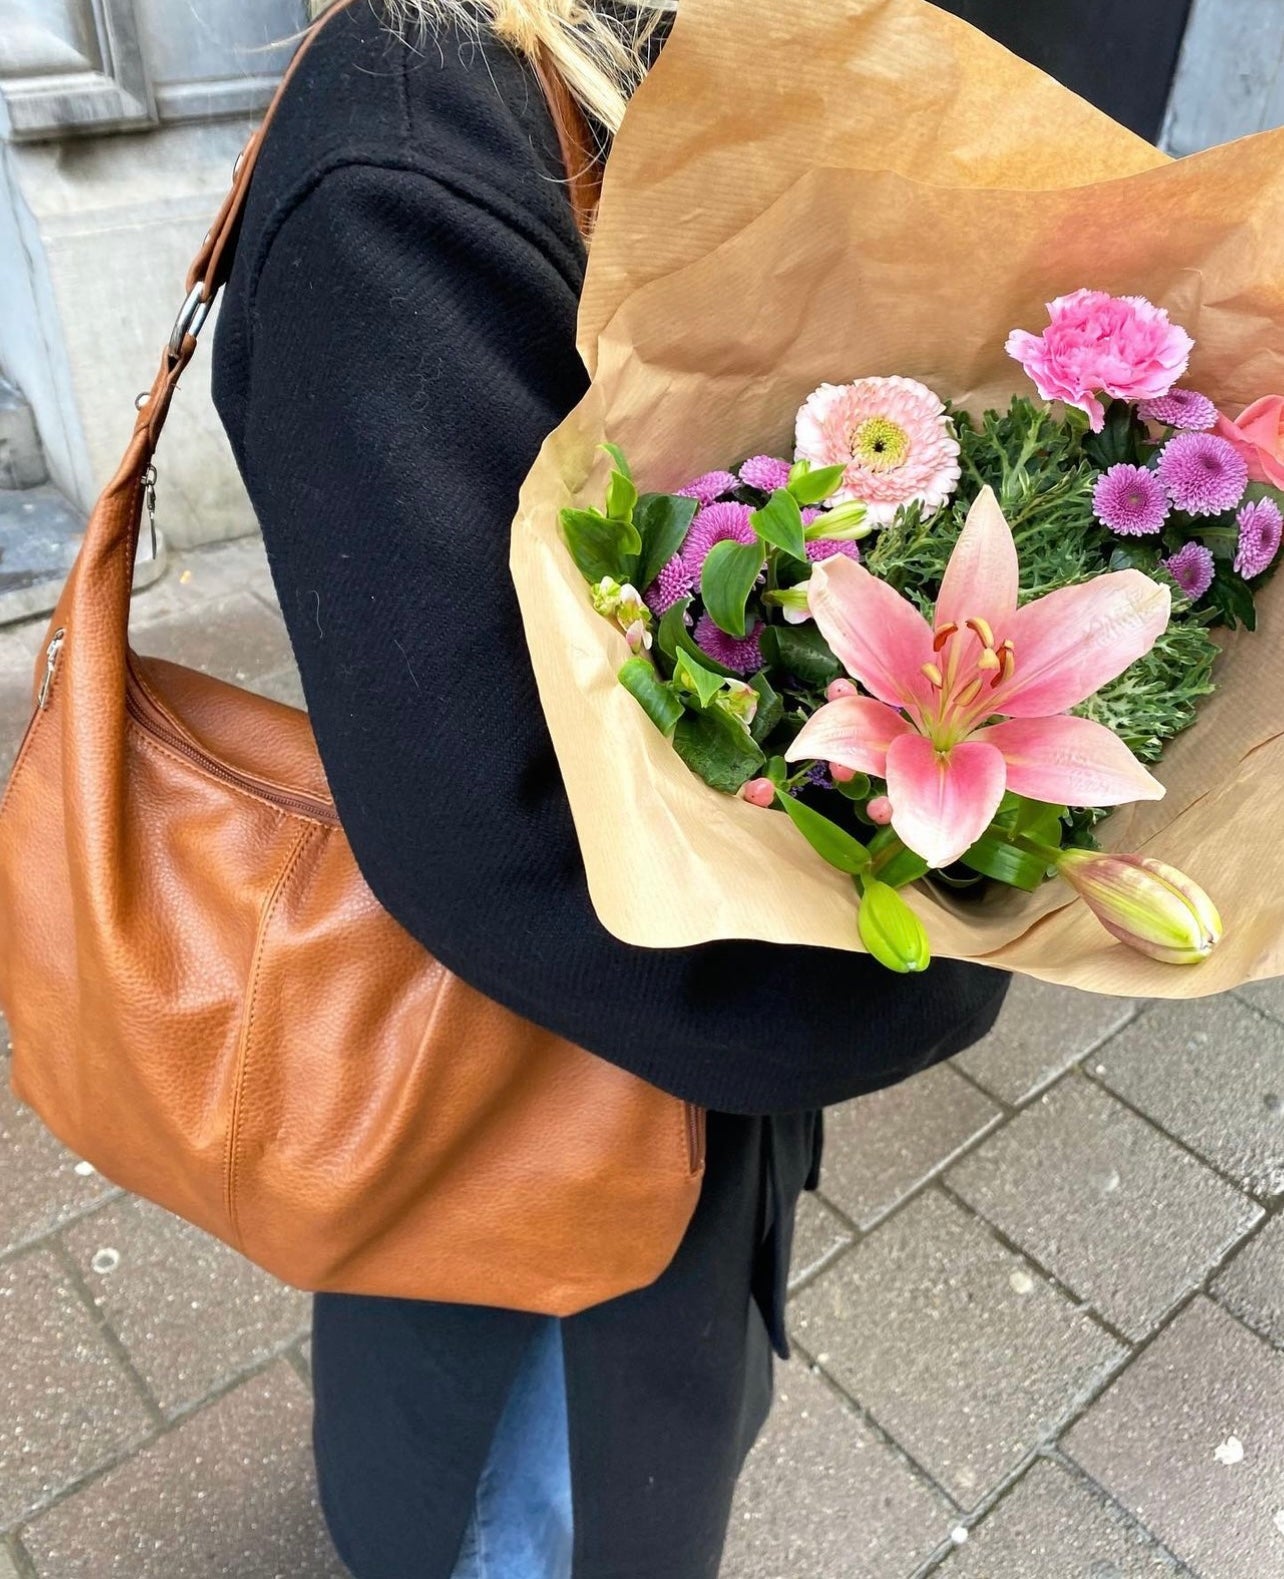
(51,658)
(149,499)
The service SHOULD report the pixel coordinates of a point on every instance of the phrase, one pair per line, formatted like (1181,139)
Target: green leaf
(802,651)
(673,637)
(661,706)
(617,455)
(621,496)
(779,524)
(994,857)
(1119,440)
(726,581)
(894,862)
(717,750)
(690,674)
(601,547)
(830,842)
(815,485)
(770,708)
(662,521)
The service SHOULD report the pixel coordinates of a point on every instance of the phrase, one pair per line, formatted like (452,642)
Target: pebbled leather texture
(207,1002)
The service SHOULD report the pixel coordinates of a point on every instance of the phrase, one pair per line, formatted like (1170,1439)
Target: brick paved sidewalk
(1039,1306)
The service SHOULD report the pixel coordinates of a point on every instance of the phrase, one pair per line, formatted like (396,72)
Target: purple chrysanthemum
(1130,500)
(826,547)
(766,472)
(716,523)
(741,653)
(1204,475)
(1191,567)
(1180,408)
(709,487)
(1261,527)
(673,583)
(810,514)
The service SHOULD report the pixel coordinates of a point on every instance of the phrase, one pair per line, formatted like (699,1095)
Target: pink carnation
(1095,344)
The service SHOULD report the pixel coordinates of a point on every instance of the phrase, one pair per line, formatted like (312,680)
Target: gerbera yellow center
(879,444)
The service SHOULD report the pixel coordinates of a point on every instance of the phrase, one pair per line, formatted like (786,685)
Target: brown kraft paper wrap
(837,189)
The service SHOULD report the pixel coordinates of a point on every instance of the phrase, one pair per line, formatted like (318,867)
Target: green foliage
(717,749)
(653,695)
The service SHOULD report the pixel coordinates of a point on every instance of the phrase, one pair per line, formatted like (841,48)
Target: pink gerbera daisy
(893,437)
(1261,527)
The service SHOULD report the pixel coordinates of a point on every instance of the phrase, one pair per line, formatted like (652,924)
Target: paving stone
(237,638)
(823,1496)
(191,1312)
(15,713)
(1190,1439)
(198,575)
(879,1148)
(229,1495)
(1055,1526)
(40,1186)
(68,1406)
(282,686)
(1041,1031)
(1120,1214)
(1253,1284)
(819,1235)
(955,1345)
(1265,995)
(1211,1072)
(7,1570)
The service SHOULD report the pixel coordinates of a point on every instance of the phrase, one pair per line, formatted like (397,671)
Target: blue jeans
(521,1526)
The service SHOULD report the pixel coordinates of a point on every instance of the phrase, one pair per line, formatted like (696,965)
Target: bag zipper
(51,661)
(152,721)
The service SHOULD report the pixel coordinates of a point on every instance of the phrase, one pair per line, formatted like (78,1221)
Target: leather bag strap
(212,264)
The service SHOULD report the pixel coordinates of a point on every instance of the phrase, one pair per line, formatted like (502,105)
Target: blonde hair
(600,58)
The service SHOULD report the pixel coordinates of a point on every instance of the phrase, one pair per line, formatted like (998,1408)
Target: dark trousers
(667,1388)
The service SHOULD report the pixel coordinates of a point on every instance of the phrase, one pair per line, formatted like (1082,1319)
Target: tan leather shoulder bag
(207,1002)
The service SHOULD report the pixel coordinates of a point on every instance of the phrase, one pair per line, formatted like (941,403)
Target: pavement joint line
(1057,1455)
(1058,1283)
(1268,1202)
(20,1557)
(126,1454)
(294,1358)
(814,1273)
(108,1333)
(16,1251)
(873,1425)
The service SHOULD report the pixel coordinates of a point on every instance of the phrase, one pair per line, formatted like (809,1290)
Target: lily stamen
(989,660)
(983,632)
(942,636)
(933,674)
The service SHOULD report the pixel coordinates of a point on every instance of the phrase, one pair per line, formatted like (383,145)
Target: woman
(395,342)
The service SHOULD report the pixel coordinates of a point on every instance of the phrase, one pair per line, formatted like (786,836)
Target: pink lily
(927,725)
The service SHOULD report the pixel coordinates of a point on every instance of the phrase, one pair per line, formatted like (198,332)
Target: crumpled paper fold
(831,190)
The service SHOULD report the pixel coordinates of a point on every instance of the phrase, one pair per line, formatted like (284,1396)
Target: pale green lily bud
(793,600)
(1150,906)
(738,700)
(891,931)
(606,596)
(846,523)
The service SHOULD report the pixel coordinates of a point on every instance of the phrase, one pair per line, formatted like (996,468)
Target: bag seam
(231,1154)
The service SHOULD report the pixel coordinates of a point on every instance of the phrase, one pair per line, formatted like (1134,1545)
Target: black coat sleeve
(409,345)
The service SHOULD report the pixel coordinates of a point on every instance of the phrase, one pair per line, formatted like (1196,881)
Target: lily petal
(1070,762)
(942,802)
(1073,641)
(854,731)
(878,636)
(981,577)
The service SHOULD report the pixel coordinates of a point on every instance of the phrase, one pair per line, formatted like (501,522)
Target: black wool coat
(396,339)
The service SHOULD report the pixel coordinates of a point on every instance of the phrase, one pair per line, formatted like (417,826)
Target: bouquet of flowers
(974,644)
(946,647)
